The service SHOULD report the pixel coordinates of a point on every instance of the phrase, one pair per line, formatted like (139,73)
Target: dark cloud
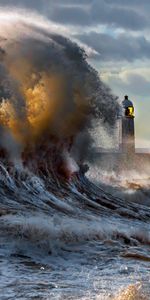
(99,12)
(122,47)
(114,14)
(42,5)
(70,15)
(31,4)
(87,12)
(129,3)
(117,16)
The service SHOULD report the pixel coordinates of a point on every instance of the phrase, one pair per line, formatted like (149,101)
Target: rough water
(70,240)
(62,235)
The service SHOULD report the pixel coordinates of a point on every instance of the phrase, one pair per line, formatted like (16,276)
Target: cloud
(129,3)
(135,82)
(87,13)
(114,15)
(123,47)
(132,82)
(70,15)
(98,12)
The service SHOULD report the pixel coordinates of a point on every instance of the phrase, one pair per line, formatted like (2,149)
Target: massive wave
(50,95)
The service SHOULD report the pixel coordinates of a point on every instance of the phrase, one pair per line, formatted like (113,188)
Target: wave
(50,100)
(47,213)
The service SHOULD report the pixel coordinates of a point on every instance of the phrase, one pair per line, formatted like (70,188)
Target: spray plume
(48,91)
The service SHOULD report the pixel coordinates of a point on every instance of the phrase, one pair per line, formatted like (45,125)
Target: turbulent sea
(72,240)
(86,237)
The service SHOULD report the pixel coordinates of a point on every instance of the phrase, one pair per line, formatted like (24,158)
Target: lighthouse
(127,126)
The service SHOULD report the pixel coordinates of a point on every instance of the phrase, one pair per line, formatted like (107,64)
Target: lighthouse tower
(128,132)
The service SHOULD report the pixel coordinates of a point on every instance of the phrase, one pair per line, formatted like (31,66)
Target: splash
(49,92)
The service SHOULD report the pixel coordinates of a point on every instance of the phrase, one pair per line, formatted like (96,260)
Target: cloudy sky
(117,37)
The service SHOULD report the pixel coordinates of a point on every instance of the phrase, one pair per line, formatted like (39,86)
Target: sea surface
(85,239)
